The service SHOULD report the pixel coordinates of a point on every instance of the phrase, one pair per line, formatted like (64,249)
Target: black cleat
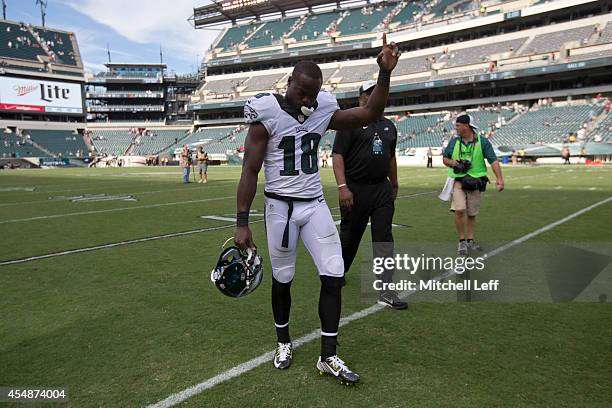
(283,355)
(335,367)
(390,299)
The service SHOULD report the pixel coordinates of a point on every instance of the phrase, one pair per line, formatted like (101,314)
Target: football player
(284,136)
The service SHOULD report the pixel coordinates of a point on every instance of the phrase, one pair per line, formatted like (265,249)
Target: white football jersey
(291,161)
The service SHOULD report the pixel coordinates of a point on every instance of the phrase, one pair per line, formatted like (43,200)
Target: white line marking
(240,369)
(116,244)
(592,188)
(136,207)
(526,187)
(218,218)
(12,189)
(138,193)
(138,240)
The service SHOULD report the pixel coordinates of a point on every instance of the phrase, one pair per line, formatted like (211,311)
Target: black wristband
(384,78)
(242,219)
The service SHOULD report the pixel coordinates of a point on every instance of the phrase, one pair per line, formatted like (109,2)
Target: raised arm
(374,109)
(254,150)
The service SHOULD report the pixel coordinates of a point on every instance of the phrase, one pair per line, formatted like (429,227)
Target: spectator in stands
(469,180)
(202,158)
(185,163)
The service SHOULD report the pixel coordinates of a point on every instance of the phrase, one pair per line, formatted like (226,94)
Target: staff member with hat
(465,156)
(366,173)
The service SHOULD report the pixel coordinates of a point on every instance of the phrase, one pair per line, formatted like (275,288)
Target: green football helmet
(237,272)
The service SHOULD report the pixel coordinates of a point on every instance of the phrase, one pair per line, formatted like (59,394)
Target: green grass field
(130,325)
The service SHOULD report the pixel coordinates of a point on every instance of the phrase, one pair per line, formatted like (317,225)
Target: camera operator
(465,156)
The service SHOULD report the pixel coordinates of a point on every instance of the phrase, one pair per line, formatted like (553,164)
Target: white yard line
(136,207)
(146,239)
(117,244)
(240,369)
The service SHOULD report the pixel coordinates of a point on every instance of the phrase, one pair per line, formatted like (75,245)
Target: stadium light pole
(4,9)
(43,6)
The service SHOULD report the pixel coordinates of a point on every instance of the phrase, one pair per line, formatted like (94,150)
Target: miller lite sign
(29,95)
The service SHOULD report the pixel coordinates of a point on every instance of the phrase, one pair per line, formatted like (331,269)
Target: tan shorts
(465,200)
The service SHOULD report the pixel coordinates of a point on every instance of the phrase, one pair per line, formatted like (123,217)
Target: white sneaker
(283,355)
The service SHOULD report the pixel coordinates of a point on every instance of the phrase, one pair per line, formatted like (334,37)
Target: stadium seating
(236,35)
(406,14)
(228,144)
(113,142)
(544,43)
(60,43)
(606,35)
(413,65)
(314,25)
(270,32)
(223,85)
(363,20)
(16,41)
(60,142)
(544,125)
(156,141)
(473,55)
(356,73)
(206,134)
(263,82)
(439,9)
(12,144)
(21,41)
(604,129)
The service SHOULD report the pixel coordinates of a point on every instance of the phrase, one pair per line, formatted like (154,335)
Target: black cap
(467,120)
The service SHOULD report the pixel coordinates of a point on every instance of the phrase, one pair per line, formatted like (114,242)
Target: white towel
(447,191)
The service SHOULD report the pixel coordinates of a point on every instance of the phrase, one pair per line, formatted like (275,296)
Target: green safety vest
(474,154)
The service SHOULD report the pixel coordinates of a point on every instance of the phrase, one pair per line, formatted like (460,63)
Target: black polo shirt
(362,163)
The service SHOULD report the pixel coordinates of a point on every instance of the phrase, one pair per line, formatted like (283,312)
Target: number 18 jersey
(291,159)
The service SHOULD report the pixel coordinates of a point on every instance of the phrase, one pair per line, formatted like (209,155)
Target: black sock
(462,240)
(330,304)
(281,306)
(470,240)
(328,346)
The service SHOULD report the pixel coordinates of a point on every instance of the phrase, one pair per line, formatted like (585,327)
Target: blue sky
(134,29)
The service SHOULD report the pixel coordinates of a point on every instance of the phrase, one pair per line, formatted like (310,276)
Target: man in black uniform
(366,173)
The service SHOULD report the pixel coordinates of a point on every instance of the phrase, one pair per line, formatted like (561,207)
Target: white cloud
(150,22)
(92,67)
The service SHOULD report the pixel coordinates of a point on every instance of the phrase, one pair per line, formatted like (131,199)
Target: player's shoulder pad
(259,107)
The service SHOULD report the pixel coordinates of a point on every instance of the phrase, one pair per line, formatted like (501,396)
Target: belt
(289,201)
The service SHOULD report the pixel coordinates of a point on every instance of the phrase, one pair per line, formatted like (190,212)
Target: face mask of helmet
(237,273)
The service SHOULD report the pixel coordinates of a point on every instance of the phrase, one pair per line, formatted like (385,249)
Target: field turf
(130,324)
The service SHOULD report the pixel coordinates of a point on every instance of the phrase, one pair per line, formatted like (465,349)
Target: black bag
(469,183)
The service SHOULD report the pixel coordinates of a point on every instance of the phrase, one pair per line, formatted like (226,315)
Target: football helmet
(237,272)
